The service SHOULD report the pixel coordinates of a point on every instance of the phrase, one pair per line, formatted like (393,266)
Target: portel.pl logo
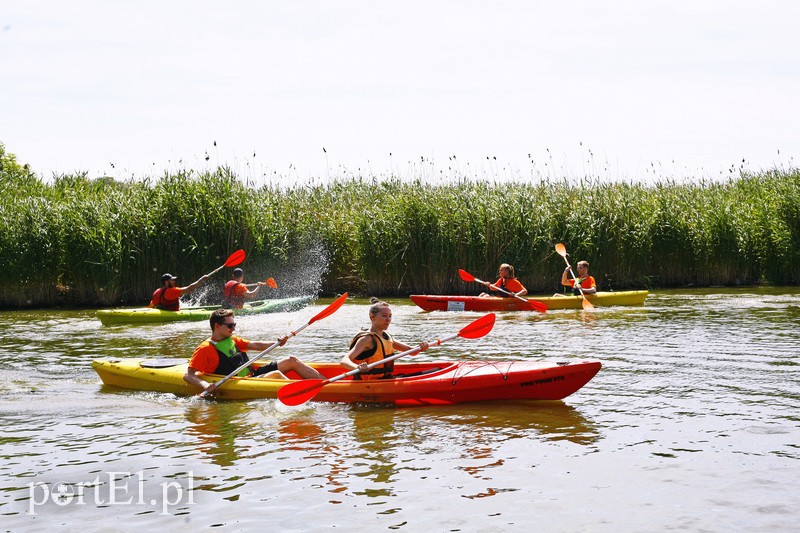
(113,488)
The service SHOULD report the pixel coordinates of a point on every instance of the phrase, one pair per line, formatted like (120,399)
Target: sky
(297,91)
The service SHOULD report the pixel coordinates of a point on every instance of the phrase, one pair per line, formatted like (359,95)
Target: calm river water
(691,425)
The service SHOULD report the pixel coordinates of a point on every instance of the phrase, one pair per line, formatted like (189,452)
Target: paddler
(223,352)
(236,292)
(585,281)
(167,297)
(375,344)
(507,281)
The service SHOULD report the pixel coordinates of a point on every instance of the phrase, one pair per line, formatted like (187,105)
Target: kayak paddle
(269,283)
(332,308)
(301,391)
(562,251)
(533,304)
(234,259)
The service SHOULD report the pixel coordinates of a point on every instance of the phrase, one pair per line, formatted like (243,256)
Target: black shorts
(269,367)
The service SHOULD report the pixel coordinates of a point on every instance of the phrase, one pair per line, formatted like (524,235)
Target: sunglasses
(230,325)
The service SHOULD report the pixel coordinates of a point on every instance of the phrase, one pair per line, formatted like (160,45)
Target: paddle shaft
(268,283)
(215,270)
(586,303)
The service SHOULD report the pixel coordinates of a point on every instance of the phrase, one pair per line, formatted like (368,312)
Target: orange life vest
(586,283)
(383,348)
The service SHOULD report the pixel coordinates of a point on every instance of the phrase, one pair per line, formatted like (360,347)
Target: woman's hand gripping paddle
(332,308)
(533,304)
(300,392)
(562,251)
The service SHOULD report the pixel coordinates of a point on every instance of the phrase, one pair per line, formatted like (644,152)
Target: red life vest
(160,302)
(231,300)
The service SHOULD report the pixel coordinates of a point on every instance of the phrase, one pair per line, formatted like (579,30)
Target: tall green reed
(76,241)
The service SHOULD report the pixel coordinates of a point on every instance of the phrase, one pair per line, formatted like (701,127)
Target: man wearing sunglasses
(224,352)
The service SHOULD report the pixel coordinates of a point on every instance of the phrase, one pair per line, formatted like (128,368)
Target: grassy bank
(100,242)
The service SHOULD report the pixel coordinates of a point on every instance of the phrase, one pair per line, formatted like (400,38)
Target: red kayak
(437,302)
(470,381)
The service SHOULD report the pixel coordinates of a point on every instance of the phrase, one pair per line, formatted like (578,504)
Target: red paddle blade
(235,258)
(466,276)
(561,250)
(538,306)
(587,304)
(479,328)
(300,391)
(271,283)
(328,311)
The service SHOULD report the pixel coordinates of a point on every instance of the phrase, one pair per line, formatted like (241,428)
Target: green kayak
(148,315)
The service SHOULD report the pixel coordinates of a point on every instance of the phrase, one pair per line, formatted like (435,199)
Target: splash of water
(299,275)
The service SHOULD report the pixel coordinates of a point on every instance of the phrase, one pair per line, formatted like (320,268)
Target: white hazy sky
(621,89)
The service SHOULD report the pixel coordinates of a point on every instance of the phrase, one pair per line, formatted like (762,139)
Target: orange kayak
(427,383)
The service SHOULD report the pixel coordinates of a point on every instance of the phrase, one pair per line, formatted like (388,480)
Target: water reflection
(549,421)
(367,450)
(482,437)
(216,426)
(588,318)
(301,435)
(305,435)
(378,435)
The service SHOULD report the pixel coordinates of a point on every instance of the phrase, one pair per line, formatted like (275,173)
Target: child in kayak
(508,282)
(375,344)
(586,282)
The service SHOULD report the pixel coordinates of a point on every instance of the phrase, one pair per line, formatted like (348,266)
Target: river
(692,424)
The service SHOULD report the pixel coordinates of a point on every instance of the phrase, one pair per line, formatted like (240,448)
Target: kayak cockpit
(402,371)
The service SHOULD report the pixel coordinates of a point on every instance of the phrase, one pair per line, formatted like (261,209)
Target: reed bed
(83,242)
